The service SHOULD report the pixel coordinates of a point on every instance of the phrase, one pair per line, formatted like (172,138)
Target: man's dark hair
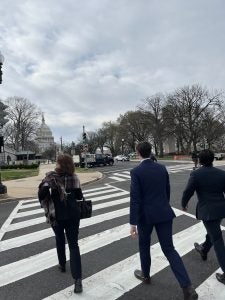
(144,148)
(206,157)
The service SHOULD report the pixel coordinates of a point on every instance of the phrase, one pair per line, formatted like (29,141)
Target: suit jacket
(150,194)
(209,184)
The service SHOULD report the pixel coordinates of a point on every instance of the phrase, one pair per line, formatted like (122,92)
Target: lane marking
(8,221)
(211,288)
(47,259)
(117,178)
(122,175)
(114,281)
(47,233)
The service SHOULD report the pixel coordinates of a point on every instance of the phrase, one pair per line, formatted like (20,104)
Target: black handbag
(85,207)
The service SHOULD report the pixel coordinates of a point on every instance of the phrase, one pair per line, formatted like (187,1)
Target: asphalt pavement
(28,264)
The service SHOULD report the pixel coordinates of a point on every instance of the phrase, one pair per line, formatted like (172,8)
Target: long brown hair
(65,164)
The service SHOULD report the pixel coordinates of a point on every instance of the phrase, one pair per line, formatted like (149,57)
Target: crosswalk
(125,175)
(177,168)
(109,256)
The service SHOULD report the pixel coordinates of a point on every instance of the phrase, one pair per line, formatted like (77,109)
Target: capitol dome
(44,137)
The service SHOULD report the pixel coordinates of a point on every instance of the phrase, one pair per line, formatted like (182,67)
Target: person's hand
(185,208)
(133,231)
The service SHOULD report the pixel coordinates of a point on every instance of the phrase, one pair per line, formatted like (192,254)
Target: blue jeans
(71,228)
(216,238)
(164,233)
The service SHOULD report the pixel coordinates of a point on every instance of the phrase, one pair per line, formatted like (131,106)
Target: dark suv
(103,160)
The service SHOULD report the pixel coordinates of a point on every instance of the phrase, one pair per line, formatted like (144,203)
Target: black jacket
(209,184)
(64,210)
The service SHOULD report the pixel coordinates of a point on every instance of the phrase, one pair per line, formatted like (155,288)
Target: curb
(5,200)
(93,180)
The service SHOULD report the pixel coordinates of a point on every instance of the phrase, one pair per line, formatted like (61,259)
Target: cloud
(85,62)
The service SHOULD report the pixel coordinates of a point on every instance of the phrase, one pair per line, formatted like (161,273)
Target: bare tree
(187,105)
(133,128)
(154,120)
(111,133)
(213,127)
(23,122)
(50,153)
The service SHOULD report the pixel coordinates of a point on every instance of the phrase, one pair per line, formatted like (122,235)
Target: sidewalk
(27,187)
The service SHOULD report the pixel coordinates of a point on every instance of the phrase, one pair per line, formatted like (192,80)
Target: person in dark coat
(194,157)
(150,208)
(209,184)
(153,158)
(57,194)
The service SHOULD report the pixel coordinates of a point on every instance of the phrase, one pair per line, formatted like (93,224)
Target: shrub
(14,167)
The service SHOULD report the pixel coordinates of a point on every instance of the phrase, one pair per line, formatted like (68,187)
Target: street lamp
(122,145)
(1,63)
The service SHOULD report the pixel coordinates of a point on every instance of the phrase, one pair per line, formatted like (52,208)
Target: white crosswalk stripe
(114,281)
(125,175)
(111,282)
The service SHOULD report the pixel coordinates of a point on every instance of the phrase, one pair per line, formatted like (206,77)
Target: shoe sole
(147,281)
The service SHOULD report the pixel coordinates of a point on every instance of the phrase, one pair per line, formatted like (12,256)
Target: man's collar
(145,159)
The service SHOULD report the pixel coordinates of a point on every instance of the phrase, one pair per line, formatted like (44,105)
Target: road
(28,264)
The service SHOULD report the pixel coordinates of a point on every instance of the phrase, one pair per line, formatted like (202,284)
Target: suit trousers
(207,245)
(164,233)
(216,238)
(71,227)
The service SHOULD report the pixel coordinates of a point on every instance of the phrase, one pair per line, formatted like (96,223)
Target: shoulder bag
(85,207)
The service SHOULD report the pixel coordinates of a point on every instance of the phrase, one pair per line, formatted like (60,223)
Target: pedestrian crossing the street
(109,256)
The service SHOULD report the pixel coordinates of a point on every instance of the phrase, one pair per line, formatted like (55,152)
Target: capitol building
(44,137)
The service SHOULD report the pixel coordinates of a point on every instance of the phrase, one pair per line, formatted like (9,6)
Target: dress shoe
(139,275)
(199,249)
(62,268)
(78,288)
(220,277)
(190,293)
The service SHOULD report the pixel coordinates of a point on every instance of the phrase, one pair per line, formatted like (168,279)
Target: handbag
(85,207)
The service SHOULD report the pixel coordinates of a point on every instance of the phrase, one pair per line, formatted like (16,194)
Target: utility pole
(3,121)
(3,188)
(84,147)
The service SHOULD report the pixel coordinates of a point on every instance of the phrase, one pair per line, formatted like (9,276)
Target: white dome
(44,131)
(44,137)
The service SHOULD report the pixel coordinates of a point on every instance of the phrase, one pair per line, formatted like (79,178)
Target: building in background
(44,138)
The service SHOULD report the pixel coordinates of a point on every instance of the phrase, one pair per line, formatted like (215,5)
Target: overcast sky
(83,62)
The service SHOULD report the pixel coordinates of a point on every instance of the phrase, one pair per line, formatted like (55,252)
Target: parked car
(133,155)
(219,156)
(121,158)
(103,160)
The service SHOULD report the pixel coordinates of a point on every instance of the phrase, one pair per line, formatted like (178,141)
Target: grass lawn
(22,173)
(18,173)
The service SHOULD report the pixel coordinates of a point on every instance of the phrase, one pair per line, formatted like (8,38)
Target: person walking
(204,248)
(194,157)
(209,184)
(153,158)
(57,194)
(149,208)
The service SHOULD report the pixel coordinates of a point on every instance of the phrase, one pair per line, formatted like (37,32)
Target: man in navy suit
(149,207)
(209,184)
